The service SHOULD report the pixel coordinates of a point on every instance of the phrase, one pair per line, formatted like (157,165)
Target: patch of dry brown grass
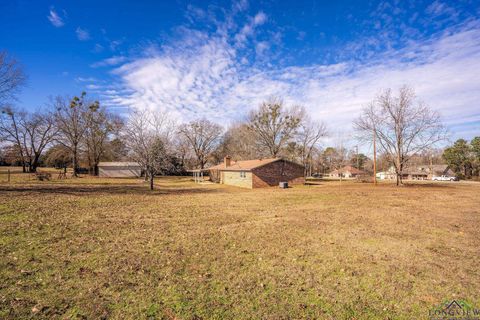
(109,248)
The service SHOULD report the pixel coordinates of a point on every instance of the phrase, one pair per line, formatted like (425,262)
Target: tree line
(464,158)
(64,133)
(407,130)
(272,130)
(79,132)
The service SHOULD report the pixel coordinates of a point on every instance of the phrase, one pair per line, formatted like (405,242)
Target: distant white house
(389,174)
(385,175)
(422,172)
(119,169)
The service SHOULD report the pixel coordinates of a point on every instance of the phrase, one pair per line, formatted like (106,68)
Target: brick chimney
(226,161)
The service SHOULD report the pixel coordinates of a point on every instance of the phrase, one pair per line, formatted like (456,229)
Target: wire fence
(16,174)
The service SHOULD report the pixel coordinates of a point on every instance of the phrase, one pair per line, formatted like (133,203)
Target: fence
(16,174)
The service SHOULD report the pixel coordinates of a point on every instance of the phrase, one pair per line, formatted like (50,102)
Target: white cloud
(112,61)
(82,34)
(55,18)
(249,29)
(241,5)
(438,8)
(83,79)
(261,47)
(202,75)
(114,44)
(93,86)
(260,18)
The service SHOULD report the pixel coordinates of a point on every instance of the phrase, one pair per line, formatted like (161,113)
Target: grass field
(96,248)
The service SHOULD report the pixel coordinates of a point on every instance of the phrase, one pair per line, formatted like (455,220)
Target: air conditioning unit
(283,185)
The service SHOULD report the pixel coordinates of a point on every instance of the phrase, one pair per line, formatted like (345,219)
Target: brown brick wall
(273,173)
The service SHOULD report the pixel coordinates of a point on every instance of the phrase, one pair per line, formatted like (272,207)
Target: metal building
(119,169)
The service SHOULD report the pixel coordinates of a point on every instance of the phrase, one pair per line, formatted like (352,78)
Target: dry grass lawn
(97,248)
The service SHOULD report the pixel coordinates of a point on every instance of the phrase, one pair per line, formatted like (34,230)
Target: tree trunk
(24,168)
(151,180)
(400,177)
(34,164)
(74,162)
(74,165)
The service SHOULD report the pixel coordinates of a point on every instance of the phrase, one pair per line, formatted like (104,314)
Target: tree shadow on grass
(313,184)
(428,185)
(93,189)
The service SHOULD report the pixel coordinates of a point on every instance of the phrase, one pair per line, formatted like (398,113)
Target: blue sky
(221,59)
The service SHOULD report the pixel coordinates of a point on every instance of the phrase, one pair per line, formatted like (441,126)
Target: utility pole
(374,157)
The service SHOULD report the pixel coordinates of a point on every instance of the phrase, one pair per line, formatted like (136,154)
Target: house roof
(244,165)
(438,169)
(348,169)
(441,169)
(416,172)
(118,164)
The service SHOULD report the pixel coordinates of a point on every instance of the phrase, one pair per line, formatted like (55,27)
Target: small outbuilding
(119,169)
(257,173)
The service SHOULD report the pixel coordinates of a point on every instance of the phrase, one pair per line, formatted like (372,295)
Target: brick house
(257,173)
(347,172)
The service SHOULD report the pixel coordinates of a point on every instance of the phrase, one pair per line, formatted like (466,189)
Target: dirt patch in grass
(108,248)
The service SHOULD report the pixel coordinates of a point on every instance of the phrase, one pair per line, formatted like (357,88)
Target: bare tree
(203,137)
(31,133)
(307,139)
(334,158)
(147,135)
(183,152)
(240,143)
(274,125)
(71,123)
(12,132)
(11,77)
(99,125)
(403,126)
(40,131)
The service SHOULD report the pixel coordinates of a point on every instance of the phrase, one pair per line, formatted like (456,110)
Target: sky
(221,59)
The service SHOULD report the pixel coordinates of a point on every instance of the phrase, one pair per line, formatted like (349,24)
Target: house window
(243,174)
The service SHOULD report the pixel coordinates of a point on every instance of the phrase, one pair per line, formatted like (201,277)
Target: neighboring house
(386,175)
(347,172)
(257,173)
(119,169)
(423,172)
(419,173)
(391,175)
